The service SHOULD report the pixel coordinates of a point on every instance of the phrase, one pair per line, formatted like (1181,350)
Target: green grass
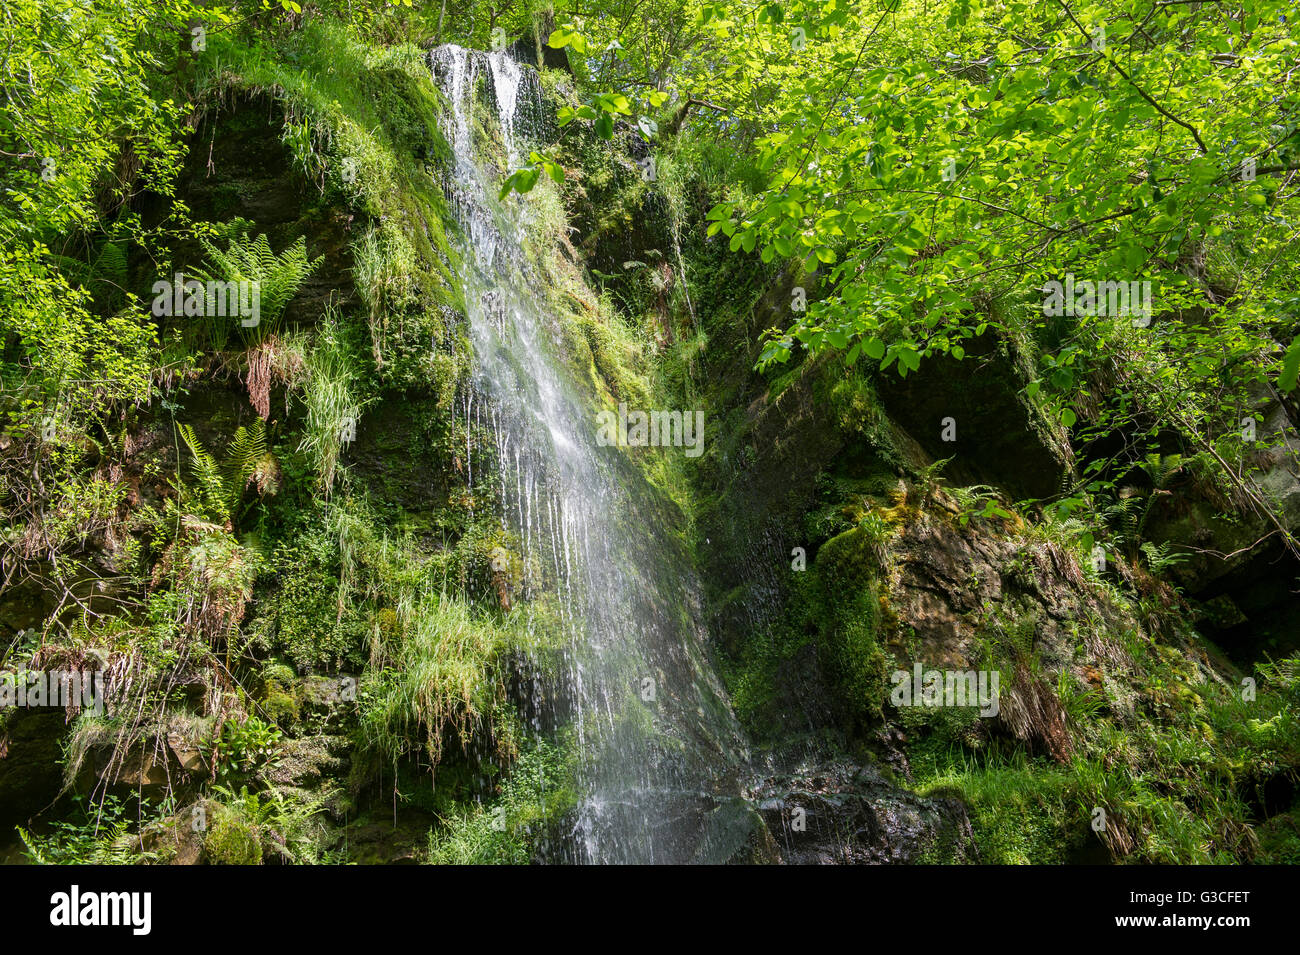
(332,400)
(1175,790)
(432,677)
(534,798)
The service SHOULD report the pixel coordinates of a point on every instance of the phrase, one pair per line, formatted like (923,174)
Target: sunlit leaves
(935,166)
(523,180)
(80,79)
(1034,172)
(567,36)
(1290,368)
(603,110)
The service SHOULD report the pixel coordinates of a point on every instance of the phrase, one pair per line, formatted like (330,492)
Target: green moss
(281,699)
(528,814)
(307,616)
(1173,785)
(375,112)
(764,673)
(1020,814)
(833,615)
(846,569)
(1279,839)
(232,840)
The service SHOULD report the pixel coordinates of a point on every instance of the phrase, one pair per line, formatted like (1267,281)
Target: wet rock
(844,813)
(402,840)
(30,773)
(239,166)
(1231,559)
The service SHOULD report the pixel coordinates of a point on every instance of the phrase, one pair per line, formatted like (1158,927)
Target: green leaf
(567,36)
(1290,366)
(521,181)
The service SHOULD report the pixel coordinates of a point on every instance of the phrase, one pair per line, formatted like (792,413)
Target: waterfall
(661,760)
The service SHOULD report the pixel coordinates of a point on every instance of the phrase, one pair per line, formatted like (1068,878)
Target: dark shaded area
(996,434)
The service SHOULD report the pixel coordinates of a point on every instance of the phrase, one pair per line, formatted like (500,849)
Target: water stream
(661,757)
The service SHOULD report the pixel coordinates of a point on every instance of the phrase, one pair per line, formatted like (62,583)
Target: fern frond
(252,260)
(246,449)
(109,276)
(75,271)
(248,453)
(213,492)
(221,487)
(33,848)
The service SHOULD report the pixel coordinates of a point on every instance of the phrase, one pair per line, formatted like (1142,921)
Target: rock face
(832,554)
(1232,561)
(240,167)
(835,556)
(1281,462)
(995,437)
(30,774)
(949,582)
(840,813)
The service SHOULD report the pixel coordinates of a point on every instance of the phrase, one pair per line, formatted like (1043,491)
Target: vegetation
(990,307)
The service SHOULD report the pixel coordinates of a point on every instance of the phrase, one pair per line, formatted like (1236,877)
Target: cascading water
(661,758)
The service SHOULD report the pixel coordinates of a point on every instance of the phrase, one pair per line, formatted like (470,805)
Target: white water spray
(660,753)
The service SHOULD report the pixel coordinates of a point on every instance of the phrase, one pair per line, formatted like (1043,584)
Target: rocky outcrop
(842,813)
(1231,560)
(975,412)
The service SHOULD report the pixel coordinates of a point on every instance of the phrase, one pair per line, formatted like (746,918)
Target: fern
(99,835)
(221,487)
(1129,514)
(1080,705)
(931,474)
(109,277)
(1160,470)
(278,276)
(212,490)
(105,276)
(33,848)
(1161,557)
(247,450)
(1123,518)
